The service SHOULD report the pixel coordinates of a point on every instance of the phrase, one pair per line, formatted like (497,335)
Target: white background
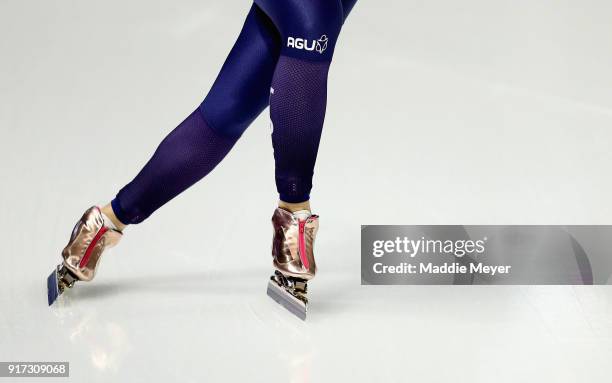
(440,112)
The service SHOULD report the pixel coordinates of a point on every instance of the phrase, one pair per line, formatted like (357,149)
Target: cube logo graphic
(322,44)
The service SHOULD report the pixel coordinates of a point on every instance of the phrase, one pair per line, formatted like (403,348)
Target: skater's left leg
(193,149)
(186,155)
(107,210)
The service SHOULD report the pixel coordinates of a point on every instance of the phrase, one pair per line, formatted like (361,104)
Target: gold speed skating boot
(292,252)
(89,238)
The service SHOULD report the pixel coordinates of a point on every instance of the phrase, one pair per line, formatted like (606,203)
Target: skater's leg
(239,94)
(199,143)
(298,98)
(107,210)
(293,207)
(310,101)
(187,154)
(297,112)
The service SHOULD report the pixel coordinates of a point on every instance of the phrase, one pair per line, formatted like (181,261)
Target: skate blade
(53,290)
(296,306)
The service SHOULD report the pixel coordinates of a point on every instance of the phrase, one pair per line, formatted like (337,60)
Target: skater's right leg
(293,207)
(298,98)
